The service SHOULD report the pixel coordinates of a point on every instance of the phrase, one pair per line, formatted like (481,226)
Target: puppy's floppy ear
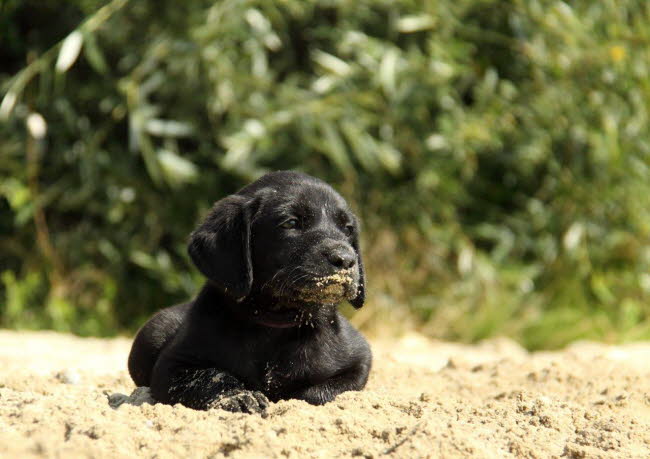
(358,300)
(220,246)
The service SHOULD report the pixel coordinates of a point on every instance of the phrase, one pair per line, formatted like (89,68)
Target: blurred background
(497,152)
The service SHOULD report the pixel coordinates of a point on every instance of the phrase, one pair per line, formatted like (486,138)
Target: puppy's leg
(152,339)
(354,378)
(207,388)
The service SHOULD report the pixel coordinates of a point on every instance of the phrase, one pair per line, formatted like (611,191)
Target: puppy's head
(287,236)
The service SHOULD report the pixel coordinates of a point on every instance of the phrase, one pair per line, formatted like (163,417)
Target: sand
(424,399)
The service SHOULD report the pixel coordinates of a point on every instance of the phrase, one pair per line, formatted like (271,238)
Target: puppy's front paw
(241,401)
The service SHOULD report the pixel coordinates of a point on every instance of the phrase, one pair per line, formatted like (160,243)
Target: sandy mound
(423,399)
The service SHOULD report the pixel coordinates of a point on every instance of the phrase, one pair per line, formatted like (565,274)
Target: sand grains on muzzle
(331,288)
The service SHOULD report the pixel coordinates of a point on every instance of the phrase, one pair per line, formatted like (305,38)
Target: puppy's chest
(292,366)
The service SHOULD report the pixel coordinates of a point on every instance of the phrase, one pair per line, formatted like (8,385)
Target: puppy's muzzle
(330,274)
(338,274)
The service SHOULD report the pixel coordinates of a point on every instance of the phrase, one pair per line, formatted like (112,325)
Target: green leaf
(176,169)
(94,54)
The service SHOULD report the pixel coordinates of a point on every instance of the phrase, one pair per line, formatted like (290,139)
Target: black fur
(279,256)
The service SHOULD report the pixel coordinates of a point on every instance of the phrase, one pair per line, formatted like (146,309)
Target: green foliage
(497,152)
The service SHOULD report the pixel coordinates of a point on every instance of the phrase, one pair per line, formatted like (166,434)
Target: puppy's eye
(290,224)
(348,229)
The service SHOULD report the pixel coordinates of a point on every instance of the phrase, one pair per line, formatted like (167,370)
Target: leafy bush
(497,152)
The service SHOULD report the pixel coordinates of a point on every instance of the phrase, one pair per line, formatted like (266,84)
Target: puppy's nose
(340,258)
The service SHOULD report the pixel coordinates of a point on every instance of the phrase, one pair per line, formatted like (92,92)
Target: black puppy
(279,256)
